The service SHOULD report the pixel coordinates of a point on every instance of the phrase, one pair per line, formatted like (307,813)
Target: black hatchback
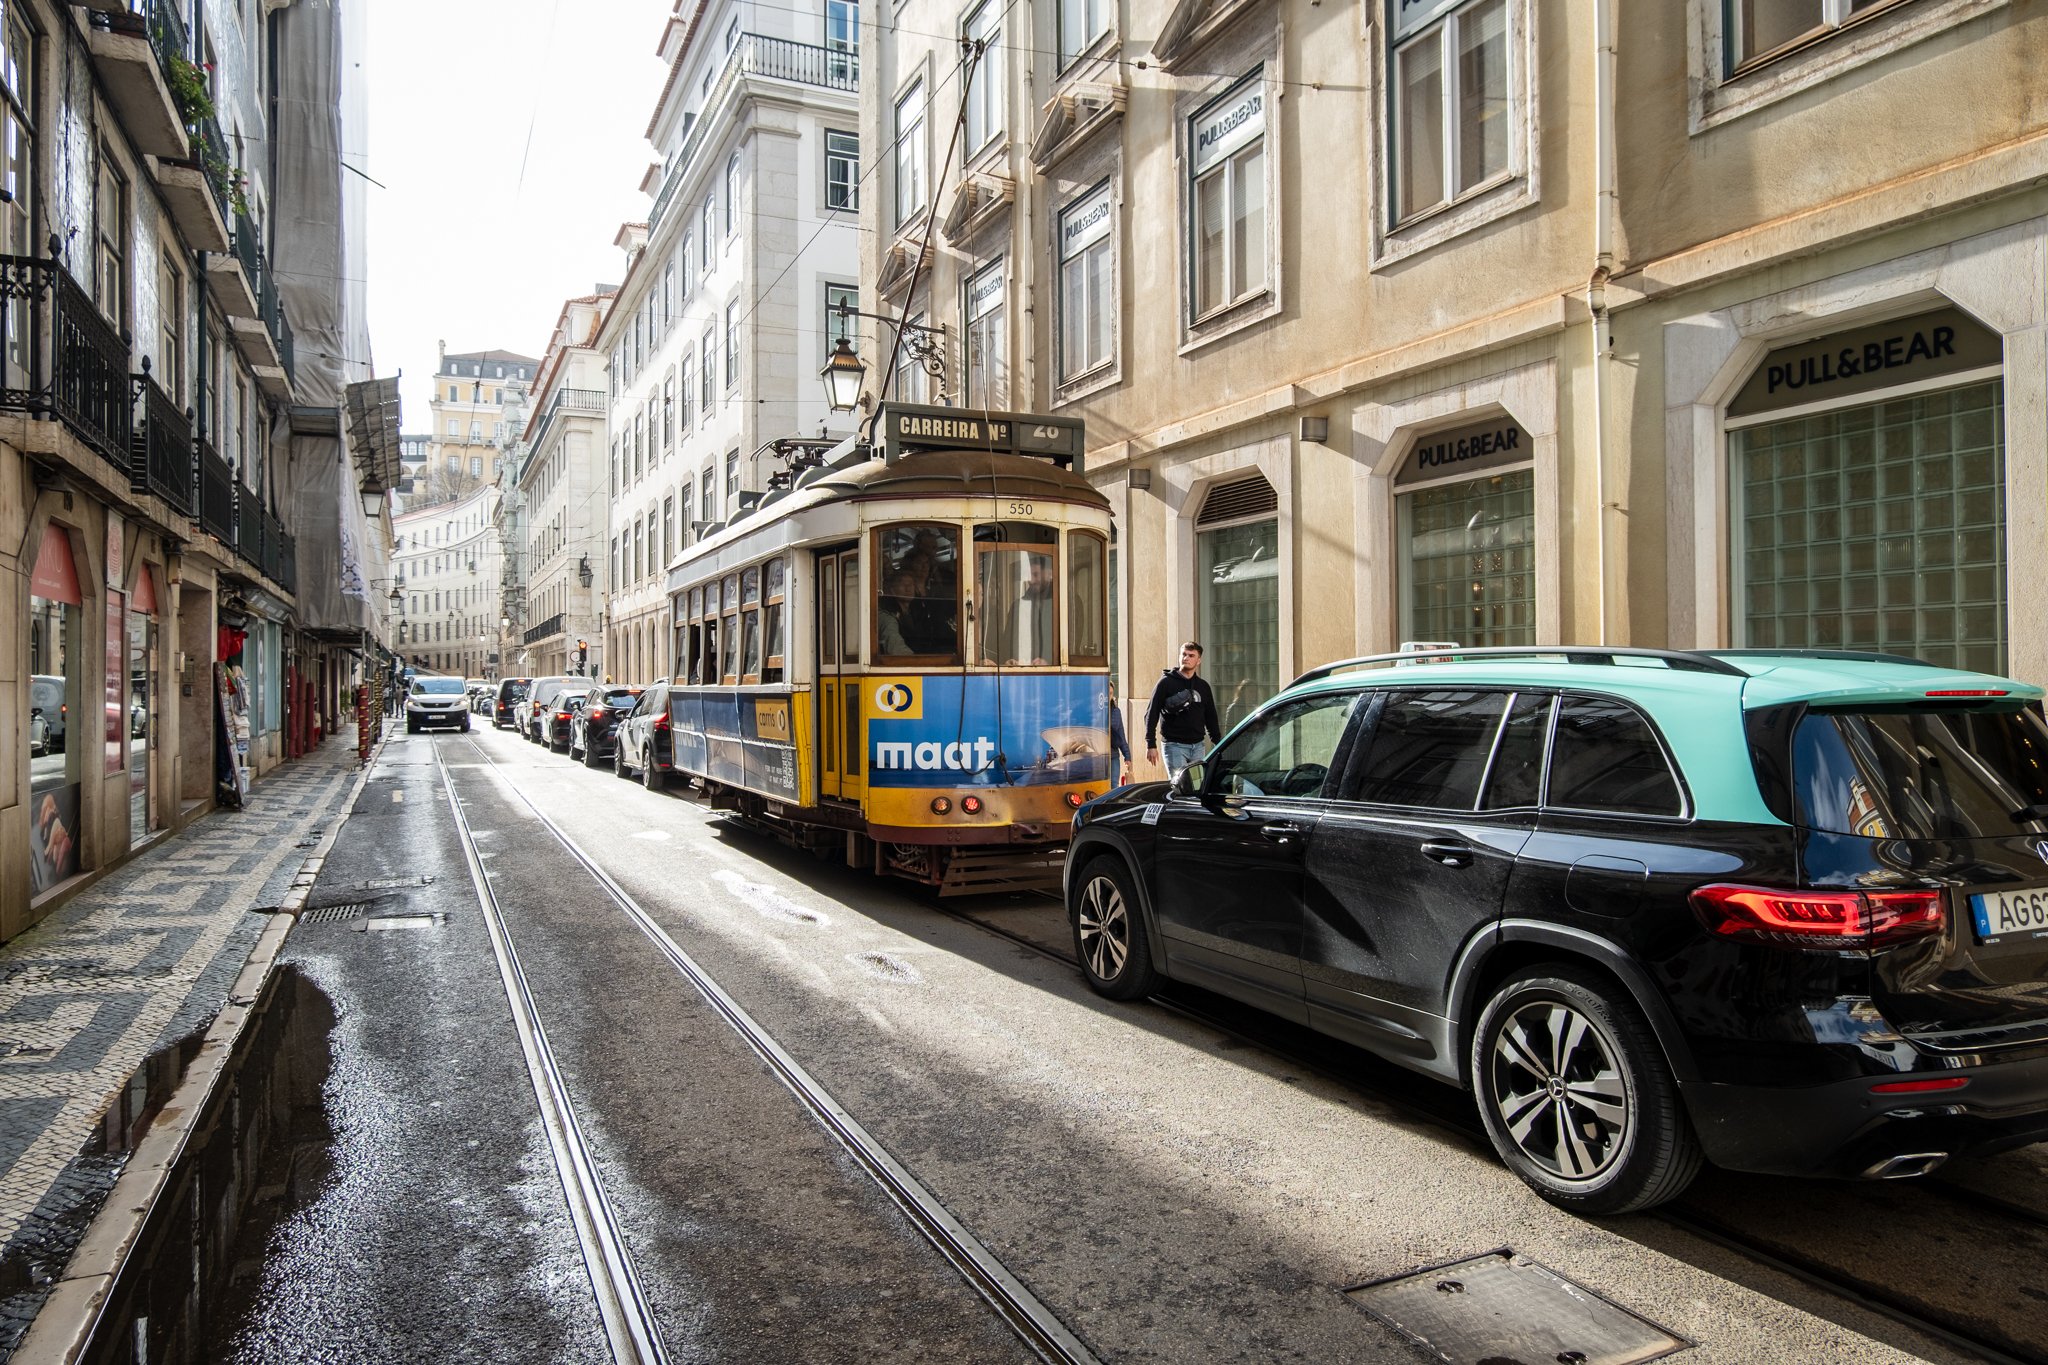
(593,726)
(1787,913)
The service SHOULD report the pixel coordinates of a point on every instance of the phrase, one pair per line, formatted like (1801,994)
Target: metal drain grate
(1501,1306)
(335,914)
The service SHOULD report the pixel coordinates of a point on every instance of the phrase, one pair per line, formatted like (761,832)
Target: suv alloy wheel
(619,768)
(651,775)
(1109,933)
(1576,1096)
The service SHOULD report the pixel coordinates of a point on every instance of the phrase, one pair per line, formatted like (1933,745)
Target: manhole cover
(1501,1306)
(335,914)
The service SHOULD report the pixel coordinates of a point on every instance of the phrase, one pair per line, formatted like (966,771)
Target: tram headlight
(940,805)
(970,805)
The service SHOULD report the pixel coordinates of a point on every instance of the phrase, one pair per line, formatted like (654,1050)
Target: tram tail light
(1849,920)
(970,805)
(1074,799)
(940,805)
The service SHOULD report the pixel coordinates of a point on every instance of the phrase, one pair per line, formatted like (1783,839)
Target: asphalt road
(1171,1193)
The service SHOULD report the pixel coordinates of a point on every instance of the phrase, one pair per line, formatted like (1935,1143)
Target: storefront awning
(373,431)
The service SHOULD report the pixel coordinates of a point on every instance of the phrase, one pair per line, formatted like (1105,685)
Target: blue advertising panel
(987,731)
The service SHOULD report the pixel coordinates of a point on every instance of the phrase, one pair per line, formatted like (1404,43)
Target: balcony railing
(210,154)
(249,526)
(590,402)
(287,574)
(160,451)
(248,246)
(551,626)
(216,494)
(60,357)
(757,54)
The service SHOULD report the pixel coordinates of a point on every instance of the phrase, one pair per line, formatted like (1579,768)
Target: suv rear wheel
(651,775)
(1109,933)
(619,768)
(1576,1096)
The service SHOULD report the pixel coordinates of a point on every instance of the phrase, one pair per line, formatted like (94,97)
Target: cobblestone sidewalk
(135,963)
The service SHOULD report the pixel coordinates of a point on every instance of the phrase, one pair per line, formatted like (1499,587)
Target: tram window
(731,662)
(750,587)
(917,592)
(694,647)
(828,607)
(1088,640)
(732,591)
(771,623)
(1015,606)
(752,653)
(849,612)
(710,670)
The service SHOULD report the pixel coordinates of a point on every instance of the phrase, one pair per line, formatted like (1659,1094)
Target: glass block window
(1238,573)
(1469,571)
(1879,527)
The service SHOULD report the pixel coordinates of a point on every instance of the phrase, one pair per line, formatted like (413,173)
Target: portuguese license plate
(2021,913)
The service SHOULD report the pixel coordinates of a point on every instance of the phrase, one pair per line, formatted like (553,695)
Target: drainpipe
(1604,208)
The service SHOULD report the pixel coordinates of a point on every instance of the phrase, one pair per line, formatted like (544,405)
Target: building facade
(561,500)
(446,558)
(1671,325)
(724,316)
(160,444)
(473,391)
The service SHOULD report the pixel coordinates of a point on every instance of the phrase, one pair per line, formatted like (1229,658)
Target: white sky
(462,244)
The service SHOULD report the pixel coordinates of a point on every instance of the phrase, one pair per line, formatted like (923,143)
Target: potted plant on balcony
(189,91)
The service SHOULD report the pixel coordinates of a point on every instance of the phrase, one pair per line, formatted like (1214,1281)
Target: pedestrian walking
(1183,710)
(1119,744)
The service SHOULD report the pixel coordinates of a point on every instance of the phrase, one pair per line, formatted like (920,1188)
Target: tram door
(840,772)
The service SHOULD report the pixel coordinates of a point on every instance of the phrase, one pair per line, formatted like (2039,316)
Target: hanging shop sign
(1883,355)
(1494,443)
(55,576)
(117,565)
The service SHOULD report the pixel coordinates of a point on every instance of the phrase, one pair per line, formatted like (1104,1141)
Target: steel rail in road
(1806,1270)
(629,1326)
(1021,1310)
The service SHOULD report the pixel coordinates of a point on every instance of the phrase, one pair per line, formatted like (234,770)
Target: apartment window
(842,39)
(454,394)
(668,409)
(668,528)
(732,193)
(732,482)
(689,256)
(1227,198)
(476,431)
(910,153)
(1081,22)
(708,493)
(476,466)
(688,381)
(707,223)
(842,170)
(1757,29)
(17,157)
(497,431)
(454,427)
(985,313)
(840,325)
(1087,278)
(732,35)
(709,346)
(170,308)
(110,260)
(732,344)
(668,291)
(639,445)
(985,92)
(1451,104)
(911,380)
(683,532)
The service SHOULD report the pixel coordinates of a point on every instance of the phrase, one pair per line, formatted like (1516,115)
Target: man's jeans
(1178,756)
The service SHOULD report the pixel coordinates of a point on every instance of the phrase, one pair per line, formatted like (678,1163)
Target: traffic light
(582,654)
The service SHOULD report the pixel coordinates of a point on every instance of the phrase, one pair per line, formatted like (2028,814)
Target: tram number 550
(1018,509)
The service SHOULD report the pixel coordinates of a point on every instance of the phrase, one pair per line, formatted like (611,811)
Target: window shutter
(1237,500)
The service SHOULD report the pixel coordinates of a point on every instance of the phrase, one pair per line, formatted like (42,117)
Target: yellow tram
(903,654)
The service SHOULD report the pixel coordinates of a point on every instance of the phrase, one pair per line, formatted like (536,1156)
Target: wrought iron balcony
(287,574)
(757,55)
(137,52)
(60,357)
(249,526)
(160,451)
(587,402)
(551,626)
(216,494)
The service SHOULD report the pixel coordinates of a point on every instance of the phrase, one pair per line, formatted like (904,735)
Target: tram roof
(922,474)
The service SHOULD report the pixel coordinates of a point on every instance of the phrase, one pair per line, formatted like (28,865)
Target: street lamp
(843,375)
(583,574)
(373,501)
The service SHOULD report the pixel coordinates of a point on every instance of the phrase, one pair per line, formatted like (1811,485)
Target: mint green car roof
(1699,713)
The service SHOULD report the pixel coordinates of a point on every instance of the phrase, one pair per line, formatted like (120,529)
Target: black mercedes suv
(1783,912)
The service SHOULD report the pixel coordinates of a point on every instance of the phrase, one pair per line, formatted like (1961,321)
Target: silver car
(436,701)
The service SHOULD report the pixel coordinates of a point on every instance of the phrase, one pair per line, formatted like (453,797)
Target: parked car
(539,694)
(38,733)
(46,698)
(435,701)
(642,742)
(1782,912)
(592,729)
(553,719)
(511,691)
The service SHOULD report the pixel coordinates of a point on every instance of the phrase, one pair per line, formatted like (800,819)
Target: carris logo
(967,755)
(894,698)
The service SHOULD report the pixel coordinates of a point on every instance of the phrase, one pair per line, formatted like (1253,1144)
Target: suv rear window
(1896,773)
(620,698)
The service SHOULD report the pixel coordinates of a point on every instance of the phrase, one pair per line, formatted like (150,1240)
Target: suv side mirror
(1189,783)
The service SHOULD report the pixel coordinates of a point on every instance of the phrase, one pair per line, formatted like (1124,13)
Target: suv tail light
(1850,920)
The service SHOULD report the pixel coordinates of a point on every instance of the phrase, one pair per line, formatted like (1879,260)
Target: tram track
(1448,1109)
(1034,1324)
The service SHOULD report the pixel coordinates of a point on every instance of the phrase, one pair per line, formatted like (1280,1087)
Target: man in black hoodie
(1184,710)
